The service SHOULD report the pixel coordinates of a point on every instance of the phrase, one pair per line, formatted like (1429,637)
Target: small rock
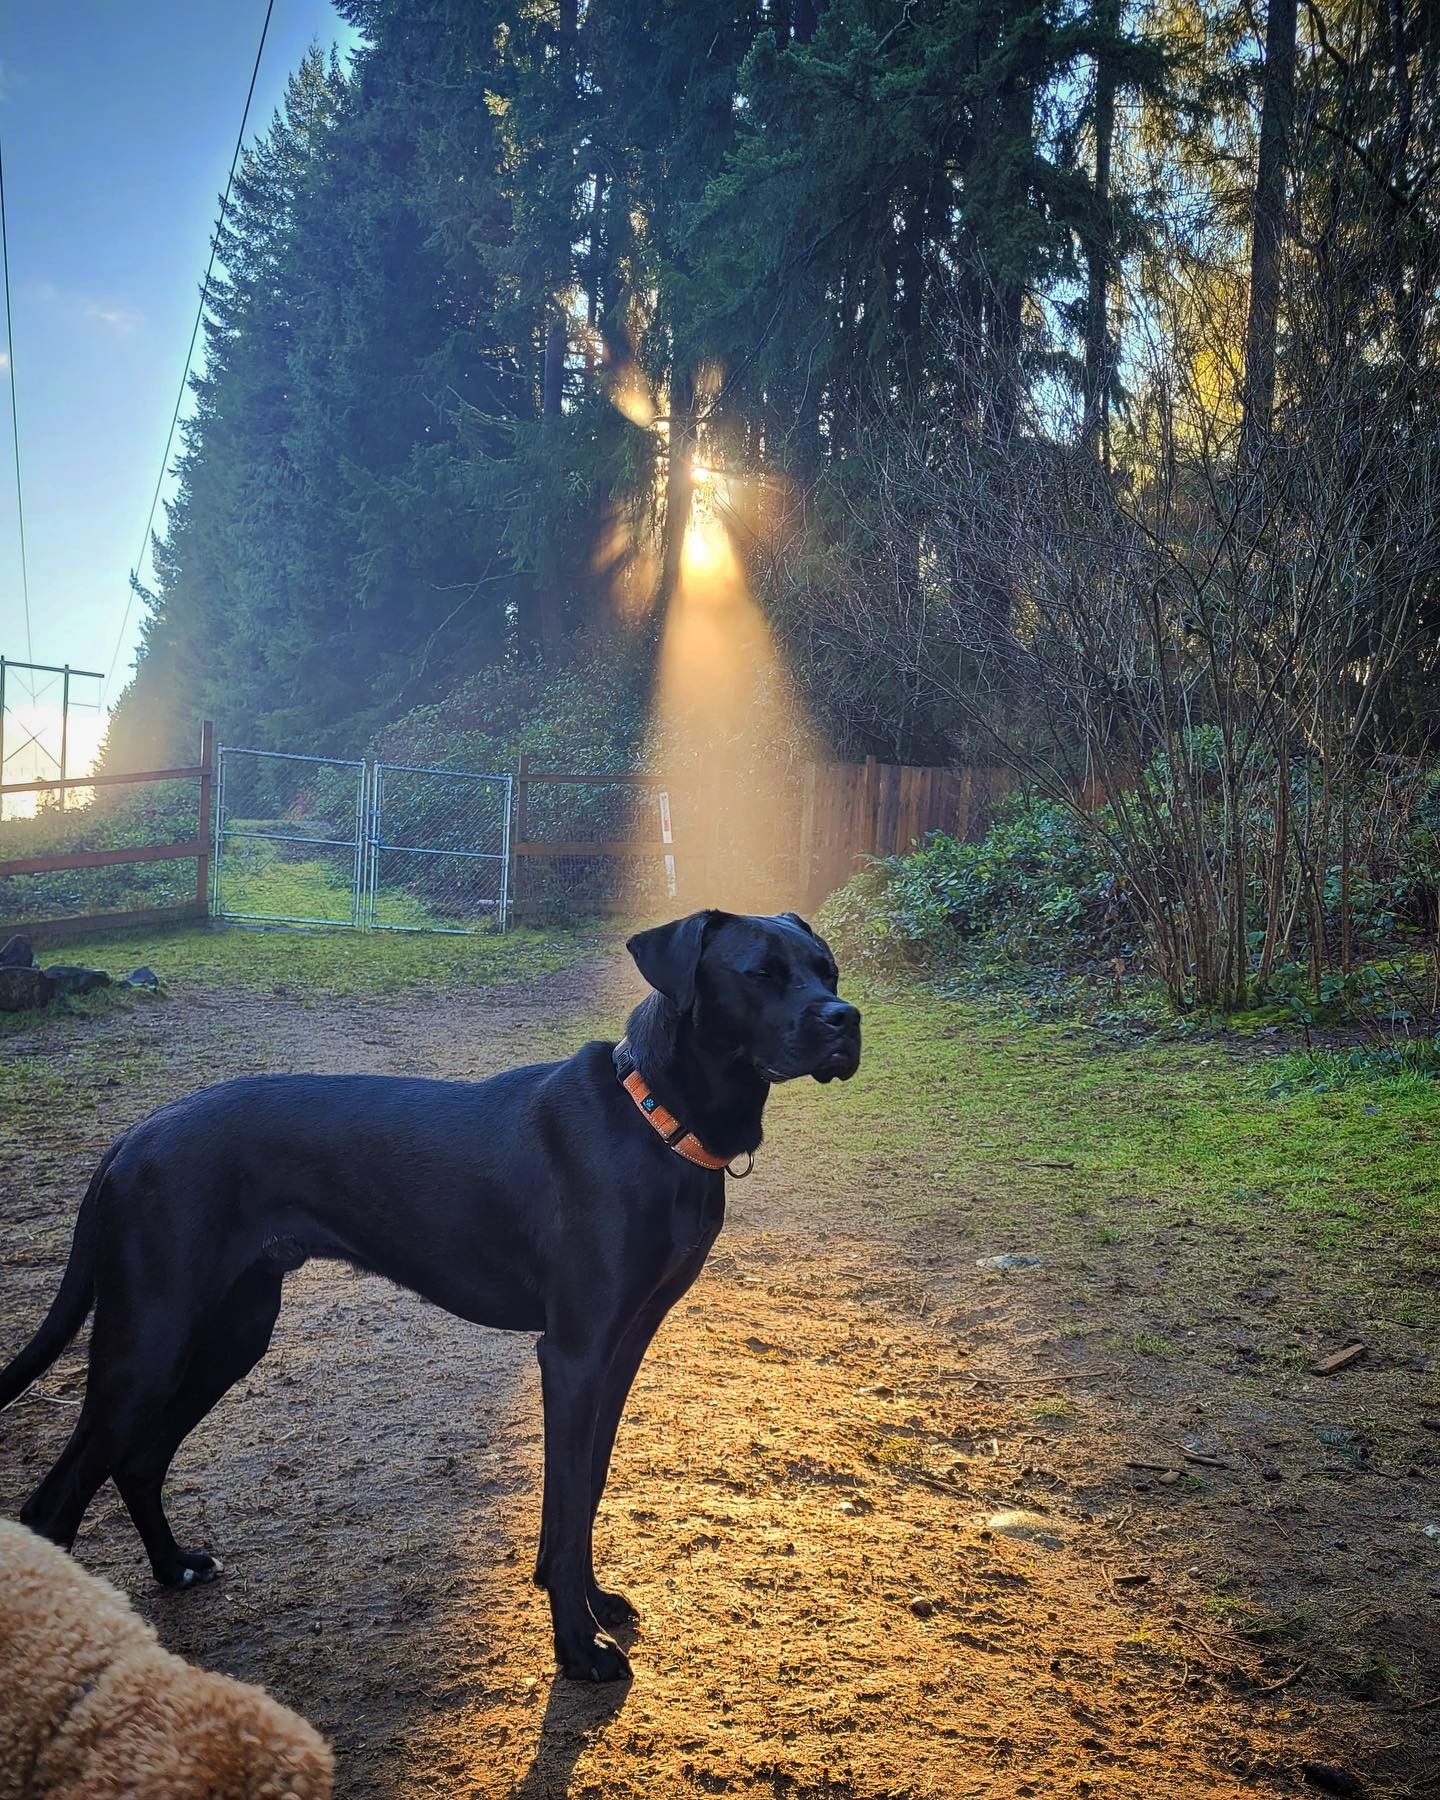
(142,978)
(1030,1527)
(1014,1259)
(1271,1473)
(1169,1478)
(921,1607)
(16,953)
(71,978)
(22,988)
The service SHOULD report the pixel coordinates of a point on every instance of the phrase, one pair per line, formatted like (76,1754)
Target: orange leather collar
(677,1136)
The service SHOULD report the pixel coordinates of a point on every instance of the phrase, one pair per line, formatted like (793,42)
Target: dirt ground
(895,1530)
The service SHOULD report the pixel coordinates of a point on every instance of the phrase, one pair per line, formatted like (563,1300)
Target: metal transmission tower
(34,727)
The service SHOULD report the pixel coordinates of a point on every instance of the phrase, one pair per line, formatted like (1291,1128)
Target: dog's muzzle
(827,1047)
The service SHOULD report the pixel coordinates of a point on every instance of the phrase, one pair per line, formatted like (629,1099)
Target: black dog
(577,1199)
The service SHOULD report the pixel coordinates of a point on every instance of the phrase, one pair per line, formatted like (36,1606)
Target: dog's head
(761,986)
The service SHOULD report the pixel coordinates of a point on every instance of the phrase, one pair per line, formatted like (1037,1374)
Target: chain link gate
(308,840)
(439,850)
(289,837)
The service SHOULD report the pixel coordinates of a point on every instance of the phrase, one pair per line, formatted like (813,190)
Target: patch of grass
(1068,1121)
(1395,1069)
(70,1006)
(319,964)
(1051,1409)
(1077,1144)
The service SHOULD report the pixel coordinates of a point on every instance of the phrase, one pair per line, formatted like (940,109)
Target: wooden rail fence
(196,849)
(842,814)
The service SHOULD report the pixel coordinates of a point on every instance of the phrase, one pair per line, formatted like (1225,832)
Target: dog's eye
(774,972)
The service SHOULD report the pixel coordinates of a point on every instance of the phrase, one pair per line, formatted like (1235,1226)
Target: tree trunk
(678,481)
(806,18)
(1095,430)
(1267,237)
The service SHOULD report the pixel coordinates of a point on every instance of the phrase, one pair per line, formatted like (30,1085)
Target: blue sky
(117,121)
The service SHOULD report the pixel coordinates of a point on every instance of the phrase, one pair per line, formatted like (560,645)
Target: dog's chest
(697,1212)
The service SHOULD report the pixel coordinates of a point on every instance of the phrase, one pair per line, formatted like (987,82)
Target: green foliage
(162,813)
(1036,888)
(1400,1066)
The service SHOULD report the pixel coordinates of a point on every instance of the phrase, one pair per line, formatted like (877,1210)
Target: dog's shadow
(575,1715)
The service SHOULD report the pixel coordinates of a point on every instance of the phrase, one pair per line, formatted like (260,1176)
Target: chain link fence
(439,850)
(305,840)
(589,846)
(289,837)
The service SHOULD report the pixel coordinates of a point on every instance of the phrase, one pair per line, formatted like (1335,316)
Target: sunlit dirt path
(876,1509)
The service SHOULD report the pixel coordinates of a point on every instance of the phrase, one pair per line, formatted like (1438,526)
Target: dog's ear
(668,955)
(804,924)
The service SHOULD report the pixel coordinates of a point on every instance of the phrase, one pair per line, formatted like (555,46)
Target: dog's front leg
(571,1383)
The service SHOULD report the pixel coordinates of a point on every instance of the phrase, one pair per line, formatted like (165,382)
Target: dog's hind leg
(222,1351)
(58,1505)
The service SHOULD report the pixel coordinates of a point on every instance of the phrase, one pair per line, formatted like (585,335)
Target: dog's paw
(601,1659)
(189,1568)
(612,1610)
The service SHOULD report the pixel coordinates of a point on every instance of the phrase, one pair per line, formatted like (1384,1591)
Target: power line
(189,355)
(14,414)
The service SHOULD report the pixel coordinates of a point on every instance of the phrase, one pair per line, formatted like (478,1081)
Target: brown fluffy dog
(91,1708)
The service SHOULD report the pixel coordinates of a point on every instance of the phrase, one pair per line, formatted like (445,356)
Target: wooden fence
(196,849)
(573,856)
(851,811)
(842,814)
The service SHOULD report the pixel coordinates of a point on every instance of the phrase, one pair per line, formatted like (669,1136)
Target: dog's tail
(74,1300)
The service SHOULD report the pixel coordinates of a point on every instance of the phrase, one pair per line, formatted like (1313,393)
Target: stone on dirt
(71,978)
(142,977)
(15,953)
(1029,1527)
(1014,1259)
(22,988)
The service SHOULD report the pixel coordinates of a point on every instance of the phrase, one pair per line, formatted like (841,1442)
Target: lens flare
(630,394)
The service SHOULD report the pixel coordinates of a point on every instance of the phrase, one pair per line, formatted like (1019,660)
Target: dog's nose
(840,1017)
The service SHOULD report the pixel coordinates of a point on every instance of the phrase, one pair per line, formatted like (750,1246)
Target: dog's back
(92,1706)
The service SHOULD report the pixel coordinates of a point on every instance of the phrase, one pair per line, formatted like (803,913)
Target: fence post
(203,827)
(870,824)
(518,863)
(806,872)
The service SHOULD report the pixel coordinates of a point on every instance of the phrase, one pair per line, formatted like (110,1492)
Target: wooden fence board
(851,811)
(196,849)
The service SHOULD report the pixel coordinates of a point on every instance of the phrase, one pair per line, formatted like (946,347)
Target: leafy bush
(1035,888)
(117,819)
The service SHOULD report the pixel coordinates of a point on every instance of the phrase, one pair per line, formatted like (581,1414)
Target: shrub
(1035,888)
